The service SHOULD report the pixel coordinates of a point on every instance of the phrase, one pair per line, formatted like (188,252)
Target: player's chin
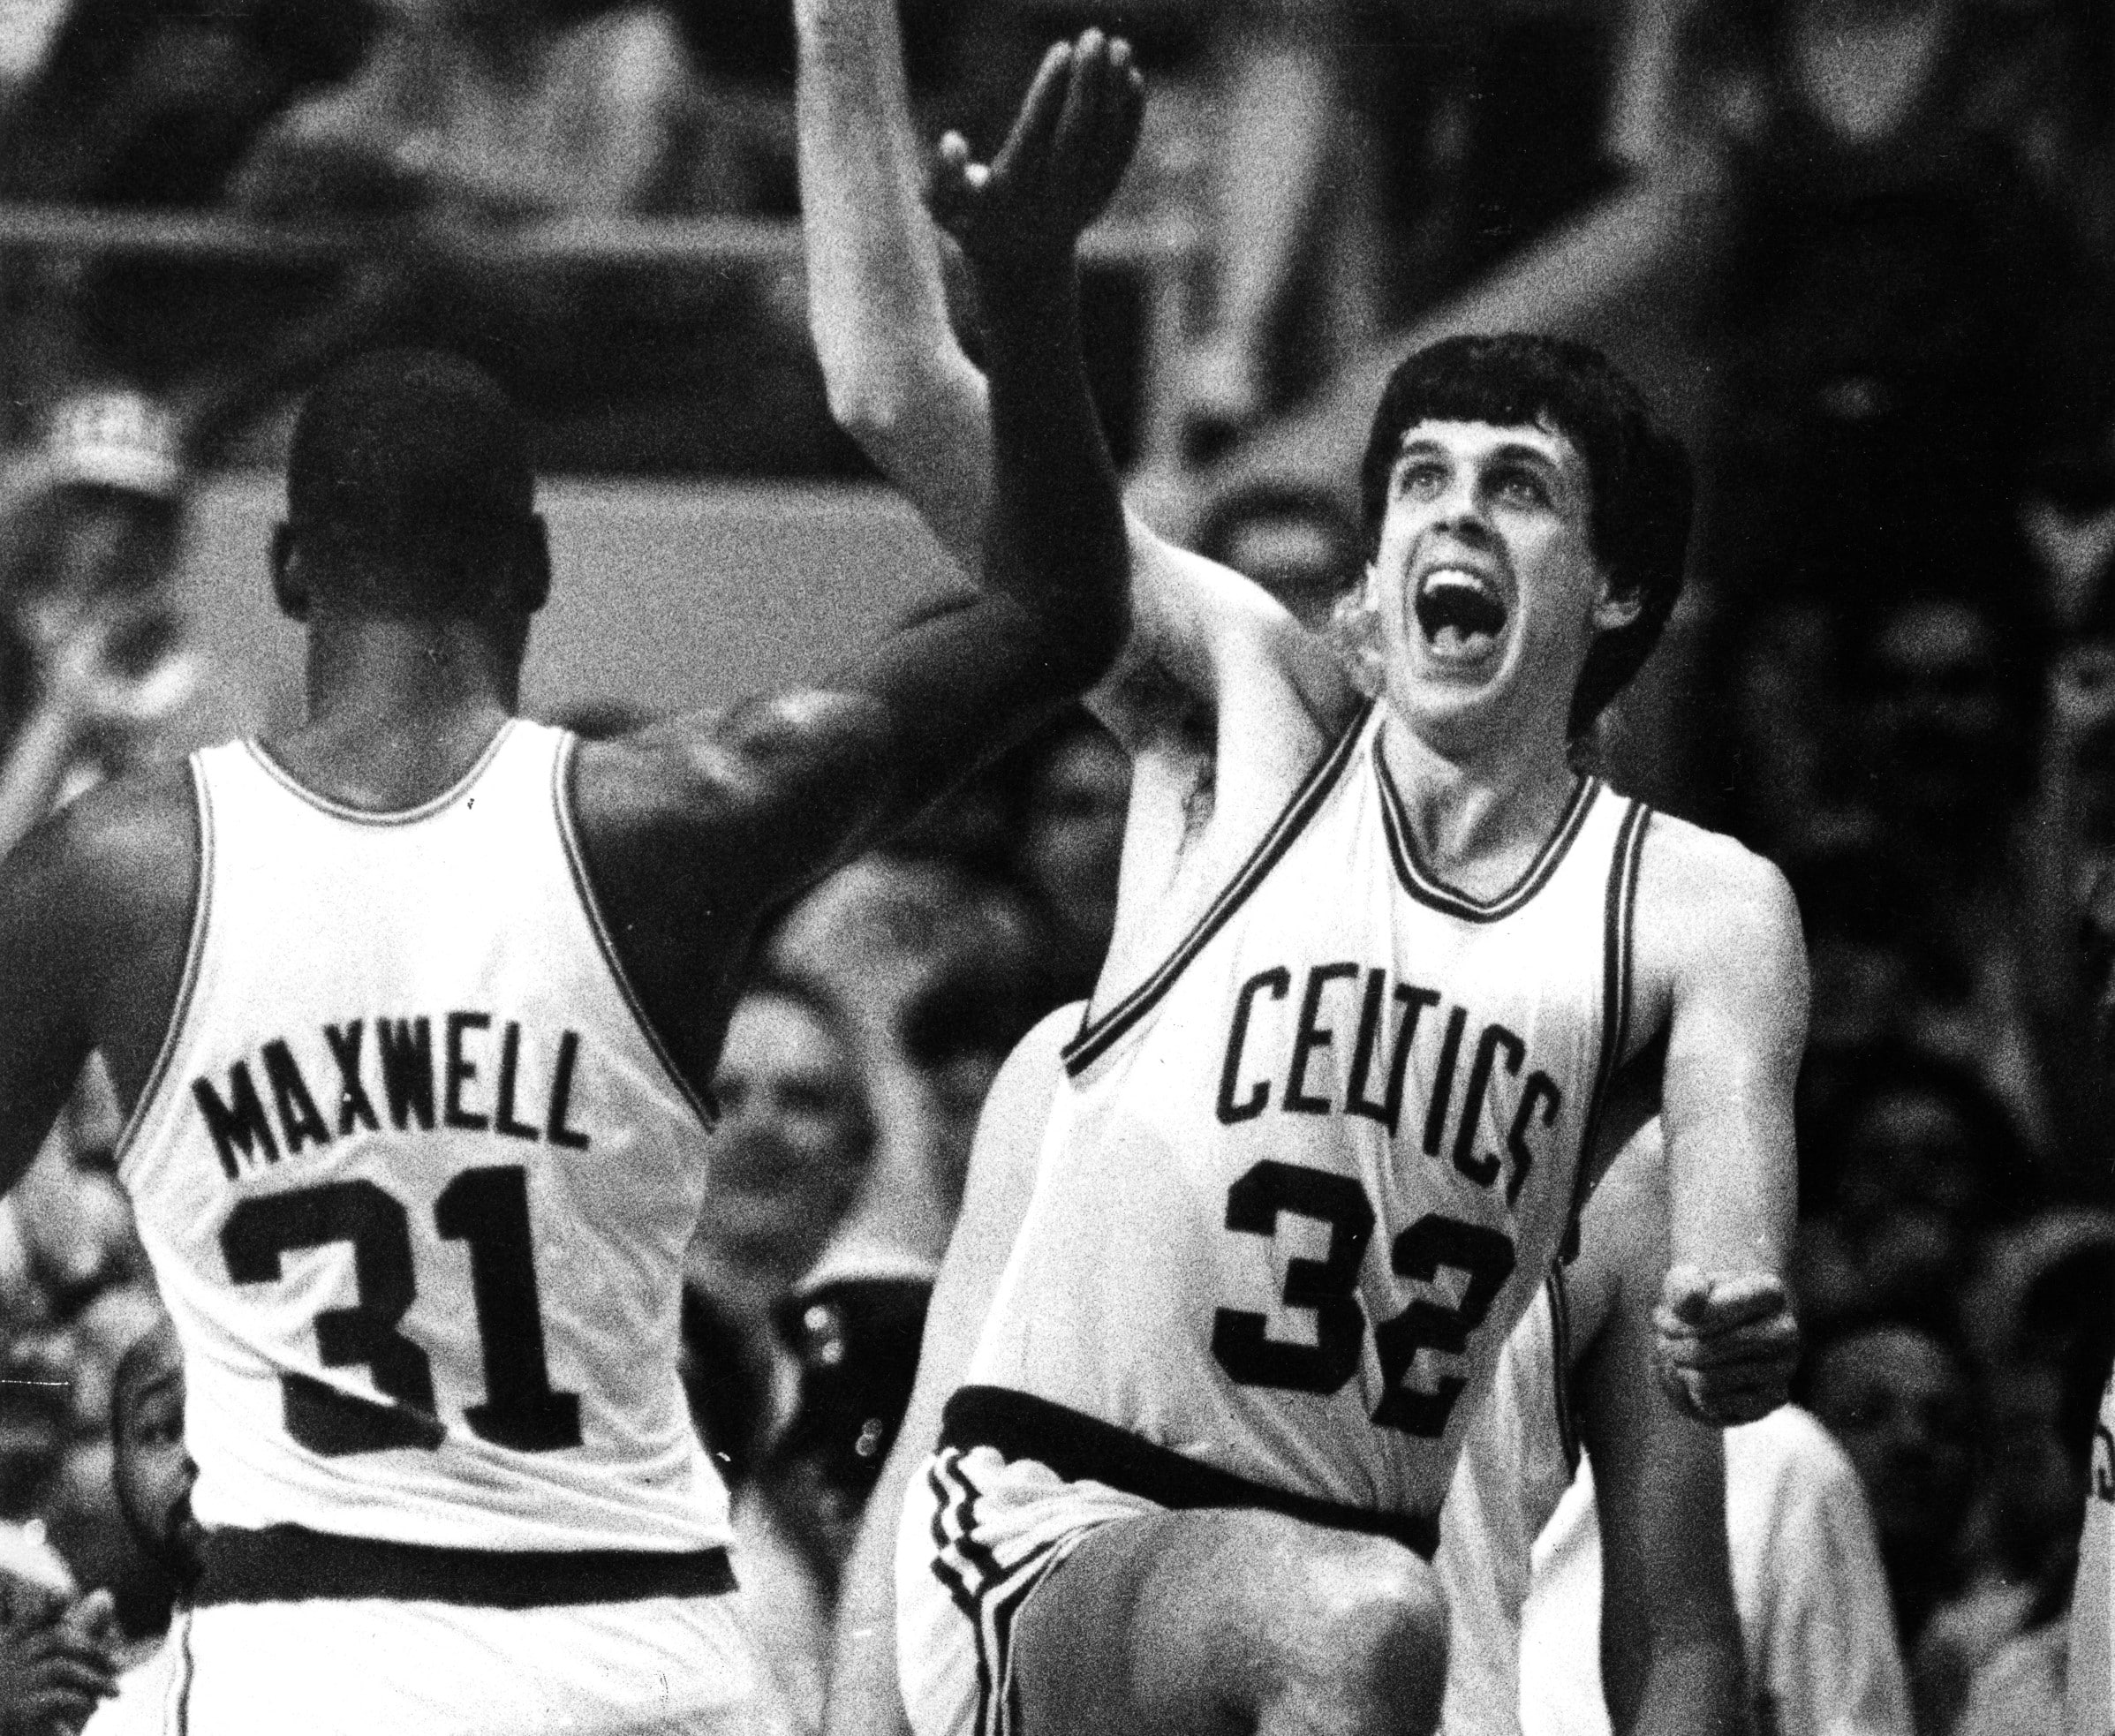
(1730,1410)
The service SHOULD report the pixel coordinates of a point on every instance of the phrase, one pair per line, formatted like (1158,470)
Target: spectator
(875,940)
(2042,1428)
(1069,841)
(1296,543)
(88,1525)
(152,103)
(794,1138)
(1915,1159)
(476,108)
(1820,1644)
(1897,1397)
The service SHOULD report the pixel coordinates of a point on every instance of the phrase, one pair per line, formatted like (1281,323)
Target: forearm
(1055,540)
(1734,1185)
(1694,1686)
(898,381)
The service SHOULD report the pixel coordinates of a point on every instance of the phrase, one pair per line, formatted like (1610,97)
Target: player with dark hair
(413,1007)
(1640,491)
(1380,955)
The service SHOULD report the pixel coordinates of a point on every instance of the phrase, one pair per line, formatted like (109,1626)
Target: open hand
(1728,1345)
(1060,165)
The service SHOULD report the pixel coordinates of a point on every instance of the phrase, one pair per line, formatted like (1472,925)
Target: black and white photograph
(1057,868)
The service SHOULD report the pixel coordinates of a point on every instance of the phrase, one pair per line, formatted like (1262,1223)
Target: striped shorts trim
(979,1534)
(989,1595)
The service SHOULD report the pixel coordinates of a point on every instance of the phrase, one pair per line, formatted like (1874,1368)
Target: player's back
(1302,1181)
(416,1179)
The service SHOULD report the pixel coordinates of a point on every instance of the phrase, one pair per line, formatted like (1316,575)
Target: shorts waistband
(1083,1448)
(284,1563)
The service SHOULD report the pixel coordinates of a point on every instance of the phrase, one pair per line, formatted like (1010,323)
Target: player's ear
(1619,604)
(287,587)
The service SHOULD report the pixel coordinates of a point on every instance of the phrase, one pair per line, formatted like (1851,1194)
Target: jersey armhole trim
(1560,1365)
(195,953)
(1098,1037)
(701,1106)
(1619,925)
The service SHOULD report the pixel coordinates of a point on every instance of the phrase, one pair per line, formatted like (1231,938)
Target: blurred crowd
(1862,251)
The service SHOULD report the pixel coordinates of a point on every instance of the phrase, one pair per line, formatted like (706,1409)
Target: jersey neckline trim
(1097,1037)
(344,811)
(701,1104)
(194,954)
(1429,889)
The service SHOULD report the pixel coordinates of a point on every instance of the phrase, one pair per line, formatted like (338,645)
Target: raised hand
(1728,1346)
(1060,165)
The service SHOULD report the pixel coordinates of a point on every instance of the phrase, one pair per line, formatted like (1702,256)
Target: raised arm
(901,385)
(1722,959)
(1671,1646)
(752,806)
(898,381)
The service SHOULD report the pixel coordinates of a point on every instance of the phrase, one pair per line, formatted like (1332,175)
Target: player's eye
(1421,479)
(1521,487)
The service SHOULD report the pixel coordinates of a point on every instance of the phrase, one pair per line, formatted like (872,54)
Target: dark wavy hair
(1642,489)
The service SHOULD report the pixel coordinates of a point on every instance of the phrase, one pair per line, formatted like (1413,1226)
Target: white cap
(116,440)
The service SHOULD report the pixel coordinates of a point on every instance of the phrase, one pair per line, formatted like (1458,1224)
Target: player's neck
(397,709)
(1477,821)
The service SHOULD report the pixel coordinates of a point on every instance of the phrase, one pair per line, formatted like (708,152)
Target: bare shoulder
(1706,901)
(707,777)
(129,848)
(1697,874)
(1715,921)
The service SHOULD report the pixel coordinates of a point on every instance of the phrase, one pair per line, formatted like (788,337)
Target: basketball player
(412,1005)
(1379,954)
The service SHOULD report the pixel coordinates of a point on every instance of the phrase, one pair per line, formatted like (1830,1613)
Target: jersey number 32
(1327,1288)
(487,1208)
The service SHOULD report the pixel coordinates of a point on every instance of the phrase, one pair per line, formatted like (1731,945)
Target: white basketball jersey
(417,1180)
(1516,1464)
(1307,1177)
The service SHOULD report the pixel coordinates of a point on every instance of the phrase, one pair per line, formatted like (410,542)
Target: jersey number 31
(1328,1288)
(487,1208)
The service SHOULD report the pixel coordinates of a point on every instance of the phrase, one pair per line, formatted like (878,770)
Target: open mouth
(1459,612)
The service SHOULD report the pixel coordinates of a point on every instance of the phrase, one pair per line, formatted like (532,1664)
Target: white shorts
(1018,1483)
(979,1533)
(374,1667)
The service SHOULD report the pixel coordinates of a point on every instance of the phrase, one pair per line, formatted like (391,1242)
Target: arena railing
(1161,250)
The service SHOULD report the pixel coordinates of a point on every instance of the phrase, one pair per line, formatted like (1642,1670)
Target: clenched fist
(1728,1344)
